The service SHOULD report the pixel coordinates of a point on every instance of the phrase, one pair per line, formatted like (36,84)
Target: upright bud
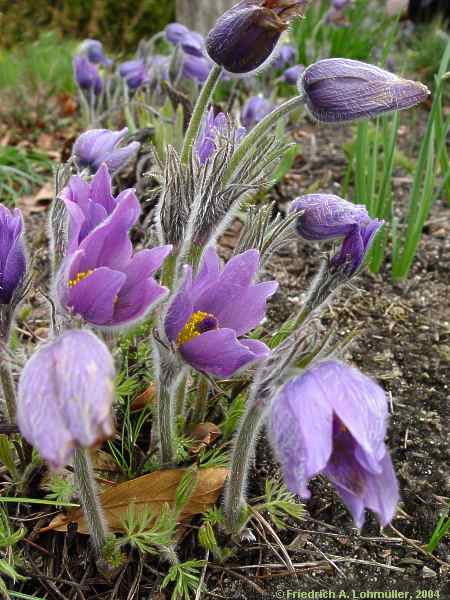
(65,396)
(340,89)
(245,36)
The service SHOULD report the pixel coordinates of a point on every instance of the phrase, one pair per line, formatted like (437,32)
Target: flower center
(80,277)
(199,323)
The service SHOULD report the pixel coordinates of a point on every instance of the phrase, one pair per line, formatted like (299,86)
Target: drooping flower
(13,263)
(97,146)
(327,217)
(87,75)
(195,68)
(245,36)
(339,89)
(94,52)
(135,73)
(101,280)
(210,313)
(254,110)
(174,32)
(212,128)
(292,75)
(285,57)
(65,396)
(193,43)
(332,420)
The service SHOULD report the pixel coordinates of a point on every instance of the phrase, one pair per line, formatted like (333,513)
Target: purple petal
(134,301)
(218,353)
(209,272)
(101,189)
(181,307)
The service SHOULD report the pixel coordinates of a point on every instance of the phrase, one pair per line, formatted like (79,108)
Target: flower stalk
(9,390)
(199,110)
(87,486)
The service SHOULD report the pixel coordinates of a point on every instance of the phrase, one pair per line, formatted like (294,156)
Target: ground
(402,341)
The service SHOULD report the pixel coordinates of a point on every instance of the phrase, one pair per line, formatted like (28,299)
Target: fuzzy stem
(8,386)
(85,480)
(165,423)
(199,110)
(242,455)
(260,129)
(201,402)
(181,397)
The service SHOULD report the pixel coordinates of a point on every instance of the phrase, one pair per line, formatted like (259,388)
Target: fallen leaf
(153,490)
(147,397)
(204,435)
(37,203)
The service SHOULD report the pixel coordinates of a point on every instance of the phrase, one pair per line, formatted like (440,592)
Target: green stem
(165,423)
(201,402)
(251,138)
(85,480)
(181,397)
(199,110)
(8,386)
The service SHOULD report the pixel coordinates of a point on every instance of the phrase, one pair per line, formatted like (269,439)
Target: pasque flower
(285,56)
(340,89)
(94,52)
(135,73)
(332,420)
(174,32)
(97,146)
(293,74)
(195,68)
(13,263)
(65,396)
(245,36)
(254,110)
(101,280)
(209,314)
(193,43)
(327,217)
(87,75)
(212,128)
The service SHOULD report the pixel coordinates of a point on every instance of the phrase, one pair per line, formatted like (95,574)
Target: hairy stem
(260,129)
(199,110)
(201,401)
(165,425)
(8,386)
(85,480)
(235,505)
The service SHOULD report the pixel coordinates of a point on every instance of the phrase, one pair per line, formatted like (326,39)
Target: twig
(427,554)
(202,578)
(254,585)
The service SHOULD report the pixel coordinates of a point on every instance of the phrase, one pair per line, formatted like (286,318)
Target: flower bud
(254,110)
(86,75)
(174,32)
(245,36)
(285,57)
(97,146)
(195,68)
(292,75)
(94,52)
(212,128)
(193,43)
(339,89)
(135,73)
(65,396)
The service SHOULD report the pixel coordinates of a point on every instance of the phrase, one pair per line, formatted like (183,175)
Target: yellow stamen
(190,330)
(80,277)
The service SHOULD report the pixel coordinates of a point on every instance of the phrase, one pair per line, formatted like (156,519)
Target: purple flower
(245,36)
(13,264)
(210,313)
(65,396)
(86,75)
(174,32)
(328,217)
(340,4)
(195,68)
(94,52)
(254,111)
(292,75)
(332,419)
(98,146)
(193,43)
(135,73)
(102,281)
(286,56)
(339,89)
(213,127)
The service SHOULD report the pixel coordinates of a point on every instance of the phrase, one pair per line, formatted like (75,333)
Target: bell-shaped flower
(327,217)
(246,35)
(254,110)
(97,146)
(102,281)
(174,32)
(332,420)
(193,43)
(13,264)
(94,52)
(212,128)
(293,74)
(285,57)
(195,68)
(209,314)
(135,73)
(87,75)
(340,89)
(65,396)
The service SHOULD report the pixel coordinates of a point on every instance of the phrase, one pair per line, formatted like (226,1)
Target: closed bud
(245,36)
(340,90)
(86,75)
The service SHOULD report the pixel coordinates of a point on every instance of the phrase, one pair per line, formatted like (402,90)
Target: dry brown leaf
(152,491)
(147,397)
(37,203)
(204,435)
